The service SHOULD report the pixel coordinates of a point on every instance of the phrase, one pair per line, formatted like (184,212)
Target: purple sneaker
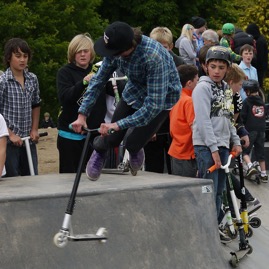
(136,160)
(95,165)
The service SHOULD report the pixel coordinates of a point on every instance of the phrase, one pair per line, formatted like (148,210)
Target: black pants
(237,191)
(70,153)
(156,154)
(134,138)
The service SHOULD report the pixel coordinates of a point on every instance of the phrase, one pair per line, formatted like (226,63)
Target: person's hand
(216,158)
(77,125)
(237,150)
(246,139)
(34,135)
(87,78)
(15,139)
(105,128)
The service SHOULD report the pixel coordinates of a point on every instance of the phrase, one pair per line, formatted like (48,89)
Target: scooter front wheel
(234,261)
(60,240)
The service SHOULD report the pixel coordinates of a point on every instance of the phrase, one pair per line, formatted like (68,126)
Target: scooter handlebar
(40,135)
(213,167)
(110,131)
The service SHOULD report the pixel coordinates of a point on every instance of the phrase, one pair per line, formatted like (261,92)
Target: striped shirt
(16,103)
(153,82)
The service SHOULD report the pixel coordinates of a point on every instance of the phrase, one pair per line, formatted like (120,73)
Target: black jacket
(261,46)
(241,38)
(70,94)
(253,114)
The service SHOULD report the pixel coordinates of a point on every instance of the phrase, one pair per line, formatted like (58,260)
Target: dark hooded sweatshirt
(253,113)
(261,46)
(70,94)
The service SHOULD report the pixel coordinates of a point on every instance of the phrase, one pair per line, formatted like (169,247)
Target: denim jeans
(17,162)
(204,161)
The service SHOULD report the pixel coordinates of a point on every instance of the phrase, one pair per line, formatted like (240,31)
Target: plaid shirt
(16,103)
(153,83)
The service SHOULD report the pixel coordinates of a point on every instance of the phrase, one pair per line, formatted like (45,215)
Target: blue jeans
(17,162)
(204,161)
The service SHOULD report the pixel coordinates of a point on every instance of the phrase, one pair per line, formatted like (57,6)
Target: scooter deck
(114,171)
(86,237)
(239,255)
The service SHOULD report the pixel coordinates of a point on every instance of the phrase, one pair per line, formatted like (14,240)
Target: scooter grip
(43,134)
(211,169)
(111,131)
(233,153)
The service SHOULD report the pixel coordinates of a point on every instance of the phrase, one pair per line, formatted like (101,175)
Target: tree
(48,26)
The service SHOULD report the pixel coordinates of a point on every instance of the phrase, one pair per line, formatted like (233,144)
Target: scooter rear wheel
(255,222)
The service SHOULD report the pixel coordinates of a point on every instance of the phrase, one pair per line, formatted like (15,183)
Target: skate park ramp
(153,221)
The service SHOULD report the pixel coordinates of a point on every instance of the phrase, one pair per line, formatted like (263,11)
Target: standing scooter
(244,247)
(66,232)
(26,141)
(124,166)
(227,223)
(253,220)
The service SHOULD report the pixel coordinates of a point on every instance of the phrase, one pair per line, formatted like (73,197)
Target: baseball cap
(118,37)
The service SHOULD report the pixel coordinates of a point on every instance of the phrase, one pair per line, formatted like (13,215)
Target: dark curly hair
(12,46)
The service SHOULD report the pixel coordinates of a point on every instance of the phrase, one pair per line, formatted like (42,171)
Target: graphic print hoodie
(213,106)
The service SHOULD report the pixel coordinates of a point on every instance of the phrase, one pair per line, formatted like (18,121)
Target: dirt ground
(48,157)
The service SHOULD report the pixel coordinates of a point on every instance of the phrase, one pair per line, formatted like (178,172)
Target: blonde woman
(186,44)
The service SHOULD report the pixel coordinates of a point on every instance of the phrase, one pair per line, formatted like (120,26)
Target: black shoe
(253,206)
(251,171)
(264,179)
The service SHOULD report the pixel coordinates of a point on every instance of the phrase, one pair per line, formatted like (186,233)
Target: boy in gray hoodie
(213,127)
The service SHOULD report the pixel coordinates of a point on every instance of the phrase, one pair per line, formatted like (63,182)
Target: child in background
(247,53)
(253,117)
(156,150)
(228,31)
(181,119)
(47,122)
(165,37)
(213,128)
(234,78)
